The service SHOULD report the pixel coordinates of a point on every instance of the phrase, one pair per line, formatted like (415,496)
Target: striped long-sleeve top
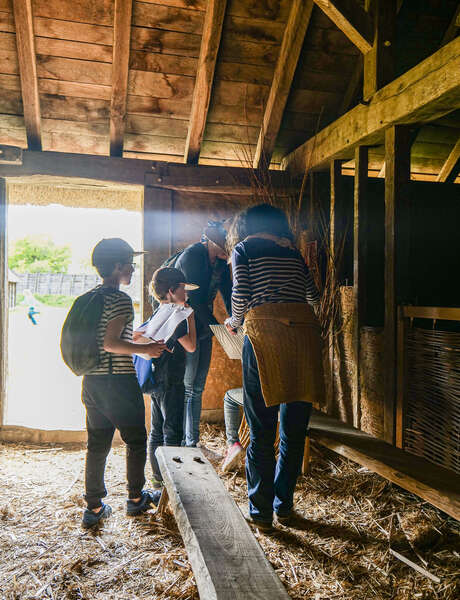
(267,272)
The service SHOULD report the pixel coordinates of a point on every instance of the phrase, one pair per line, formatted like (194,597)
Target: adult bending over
(282,367)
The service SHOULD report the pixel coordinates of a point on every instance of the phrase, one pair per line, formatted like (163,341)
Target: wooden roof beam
(454,25)
(450,168)
(210,42)
(353,20)
(429,90)
(25,41)
(120,67)
(294,35)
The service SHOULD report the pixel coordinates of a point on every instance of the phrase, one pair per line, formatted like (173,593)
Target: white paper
(165,321)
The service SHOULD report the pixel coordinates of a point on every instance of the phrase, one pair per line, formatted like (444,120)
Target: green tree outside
(38,255)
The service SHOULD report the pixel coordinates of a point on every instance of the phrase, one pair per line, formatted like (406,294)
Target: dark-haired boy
(110,392)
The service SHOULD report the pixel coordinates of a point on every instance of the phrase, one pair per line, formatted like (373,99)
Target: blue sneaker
(148,497)
(90,518)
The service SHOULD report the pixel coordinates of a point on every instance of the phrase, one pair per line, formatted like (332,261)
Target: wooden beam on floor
(227,561)
(360,236)
(450,168)
(293,38)
(438,486)
(3,298)
(120,67)
(25,42)
(429,90)
(380,61)
(353,20)
(210,42)
(397,177)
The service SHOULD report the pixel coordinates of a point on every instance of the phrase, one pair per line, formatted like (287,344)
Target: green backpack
(79,347)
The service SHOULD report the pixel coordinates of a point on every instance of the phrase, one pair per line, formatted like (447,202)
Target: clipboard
(232,344)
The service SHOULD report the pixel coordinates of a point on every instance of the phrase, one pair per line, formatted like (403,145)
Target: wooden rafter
(28,71)
(120,68)
(453,28)
(353,20)
(210,42)
(294,34)
(427,91)
(449,169)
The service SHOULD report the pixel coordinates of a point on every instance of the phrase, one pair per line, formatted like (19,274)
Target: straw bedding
(338,549)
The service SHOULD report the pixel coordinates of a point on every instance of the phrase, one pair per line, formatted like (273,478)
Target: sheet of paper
(232,344)
(165,321)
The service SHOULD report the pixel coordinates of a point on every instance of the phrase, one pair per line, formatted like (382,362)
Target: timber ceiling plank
(212,32)
(96,12)
(28,71)
(120,68)
(449,169)
(353,20)
(288,57)
(426,92)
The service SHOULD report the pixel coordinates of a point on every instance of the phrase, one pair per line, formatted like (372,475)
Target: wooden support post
(157,231)
(379,62)
(350,18)
(25,41)
(163,503)
(3,300)
(397,176)
(306,456)
(401,379)
(360,237)
(120,67)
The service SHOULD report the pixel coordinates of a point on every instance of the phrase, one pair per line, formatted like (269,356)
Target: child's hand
(155,349)
(136,335)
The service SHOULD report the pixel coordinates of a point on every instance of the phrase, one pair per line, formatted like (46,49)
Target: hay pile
(338,549)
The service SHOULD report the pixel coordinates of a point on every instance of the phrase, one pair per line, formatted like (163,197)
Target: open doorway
(51,232)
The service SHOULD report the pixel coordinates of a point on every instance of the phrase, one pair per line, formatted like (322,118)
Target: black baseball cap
(114,250)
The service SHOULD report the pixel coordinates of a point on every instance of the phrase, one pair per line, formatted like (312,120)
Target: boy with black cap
(205,264)
(110,392)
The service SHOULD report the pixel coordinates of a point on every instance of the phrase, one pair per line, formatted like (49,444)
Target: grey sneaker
(157,484)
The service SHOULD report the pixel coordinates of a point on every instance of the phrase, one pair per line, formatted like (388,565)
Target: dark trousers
(167,423)
(113,402)
(271,483)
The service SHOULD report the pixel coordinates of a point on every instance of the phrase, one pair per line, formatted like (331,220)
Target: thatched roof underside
(73,41)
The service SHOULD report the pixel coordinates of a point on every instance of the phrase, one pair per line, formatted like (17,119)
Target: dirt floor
(338,548)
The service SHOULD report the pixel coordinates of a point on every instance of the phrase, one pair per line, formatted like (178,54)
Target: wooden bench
(226,559)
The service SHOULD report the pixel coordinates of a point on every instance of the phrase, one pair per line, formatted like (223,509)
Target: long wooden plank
(432,312)
(451,166)
(120,67)
(3,296)
(350,18)
(397,176)
(23,19)
(434,484)
(294,35)
(212,32)
(429,90)
(226,559)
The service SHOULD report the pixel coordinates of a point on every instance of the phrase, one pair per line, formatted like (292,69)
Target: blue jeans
(167,421)
(196,370)
(233,403)
(271,483)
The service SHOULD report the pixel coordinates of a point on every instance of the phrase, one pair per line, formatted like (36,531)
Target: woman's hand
(155,349)
(136,335)
(230,329)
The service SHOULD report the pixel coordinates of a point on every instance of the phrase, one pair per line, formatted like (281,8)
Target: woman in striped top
(272,293)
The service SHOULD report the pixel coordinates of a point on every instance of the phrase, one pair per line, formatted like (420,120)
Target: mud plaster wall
(371,371)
